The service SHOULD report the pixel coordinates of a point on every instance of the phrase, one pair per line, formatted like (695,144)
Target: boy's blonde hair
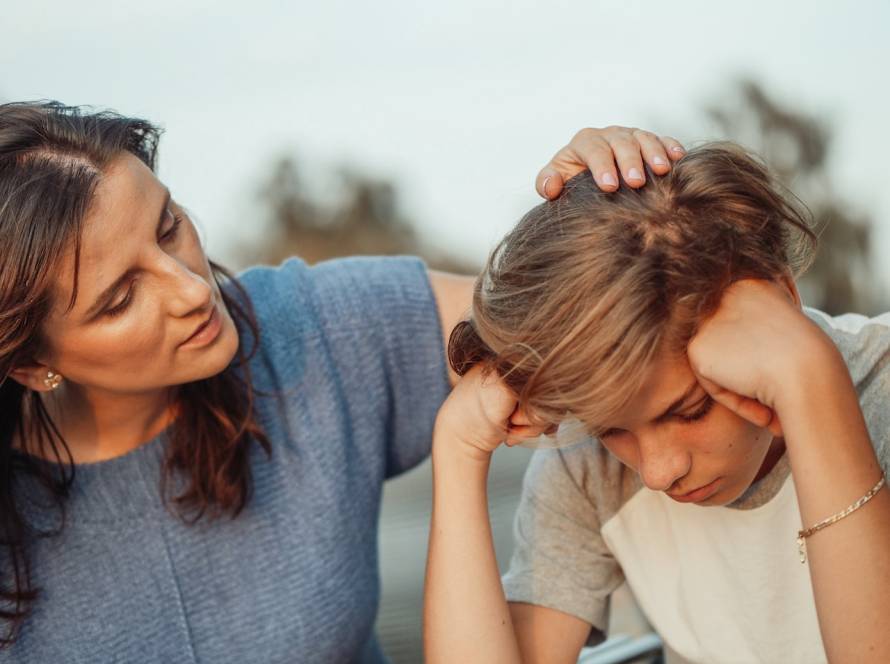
(580,296)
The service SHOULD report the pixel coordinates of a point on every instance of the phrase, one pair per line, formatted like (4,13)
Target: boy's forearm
(834,464)
(466,618)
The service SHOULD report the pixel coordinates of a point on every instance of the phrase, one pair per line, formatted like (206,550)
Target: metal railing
(623,649)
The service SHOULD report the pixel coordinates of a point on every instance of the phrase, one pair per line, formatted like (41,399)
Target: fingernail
(658,161)
(678,149)
(544,186)
(609,180)
(634,174)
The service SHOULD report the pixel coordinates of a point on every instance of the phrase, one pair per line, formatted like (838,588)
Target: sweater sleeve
(381,323)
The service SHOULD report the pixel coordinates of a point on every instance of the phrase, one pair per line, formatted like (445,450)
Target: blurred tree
(364,217)
(844,276)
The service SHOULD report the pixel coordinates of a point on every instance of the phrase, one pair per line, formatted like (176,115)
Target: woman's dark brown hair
(583,293)
(51,159)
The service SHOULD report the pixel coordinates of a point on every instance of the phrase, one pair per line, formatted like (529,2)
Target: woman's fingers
(611,154)
(549,182)
(597,154)
(654,152)
(633,147)
(673,147)
(628,154)
(587,151)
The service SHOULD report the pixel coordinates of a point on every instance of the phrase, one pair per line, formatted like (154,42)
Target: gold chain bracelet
(803,534)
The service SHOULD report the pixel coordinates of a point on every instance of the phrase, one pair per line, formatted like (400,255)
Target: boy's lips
(696,495)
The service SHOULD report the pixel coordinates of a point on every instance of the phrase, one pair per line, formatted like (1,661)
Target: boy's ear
(37,377)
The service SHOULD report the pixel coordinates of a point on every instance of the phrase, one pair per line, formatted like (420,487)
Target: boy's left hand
(750,348)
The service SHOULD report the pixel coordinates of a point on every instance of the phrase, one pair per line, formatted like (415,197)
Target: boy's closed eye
(693,413)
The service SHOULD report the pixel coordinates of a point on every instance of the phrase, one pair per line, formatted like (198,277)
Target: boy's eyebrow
(673,408)
(678,403)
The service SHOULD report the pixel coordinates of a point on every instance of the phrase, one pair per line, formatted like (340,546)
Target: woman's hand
(600,149)
(748,351)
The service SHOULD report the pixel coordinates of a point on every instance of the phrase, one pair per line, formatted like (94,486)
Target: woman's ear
(37,377)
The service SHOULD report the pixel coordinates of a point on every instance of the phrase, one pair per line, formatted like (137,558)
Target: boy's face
(682,442)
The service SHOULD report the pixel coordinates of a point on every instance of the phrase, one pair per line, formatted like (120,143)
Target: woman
(666,321)
(191,464)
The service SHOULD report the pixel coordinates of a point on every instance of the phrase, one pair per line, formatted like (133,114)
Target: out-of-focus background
(334,128)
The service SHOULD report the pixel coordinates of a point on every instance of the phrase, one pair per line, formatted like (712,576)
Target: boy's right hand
(479,414)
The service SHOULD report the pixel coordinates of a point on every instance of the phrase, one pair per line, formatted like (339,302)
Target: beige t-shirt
(723,584)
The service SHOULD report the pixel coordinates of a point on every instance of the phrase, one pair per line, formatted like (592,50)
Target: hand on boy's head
(607,153)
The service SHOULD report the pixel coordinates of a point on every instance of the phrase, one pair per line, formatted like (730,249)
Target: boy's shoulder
(589,468)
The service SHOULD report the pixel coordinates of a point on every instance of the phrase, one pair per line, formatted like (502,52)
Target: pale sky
(459,102)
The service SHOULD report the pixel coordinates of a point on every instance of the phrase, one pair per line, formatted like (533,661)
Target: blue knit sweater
(351,352)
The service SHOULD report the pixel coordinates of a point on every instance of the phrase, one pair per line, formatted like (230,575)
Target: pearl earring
(52,380)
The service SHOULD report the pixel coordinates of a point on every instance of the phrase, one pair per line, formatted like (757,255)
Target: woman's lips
(697,495)
(206,331)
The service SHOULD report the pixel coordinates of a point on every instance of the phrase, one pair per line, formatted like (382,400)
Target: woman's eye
(120,308)
(171,232)
(700,412)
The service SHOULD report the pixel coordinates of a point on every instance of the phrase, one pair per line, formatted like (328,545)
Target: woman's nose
(662,462)
(189,291)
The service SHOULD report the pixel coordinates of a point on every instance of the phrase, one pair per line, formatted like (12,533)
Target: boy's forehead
(667,374)
(665,380)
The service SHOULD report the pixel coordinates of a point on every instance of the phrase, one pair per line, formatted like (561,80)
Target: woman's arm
(454,297)
(761,347)
(466,616)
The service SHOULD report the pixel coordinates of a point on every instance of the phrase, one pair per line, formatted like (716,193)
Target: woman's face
(144,292)
(683,443)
